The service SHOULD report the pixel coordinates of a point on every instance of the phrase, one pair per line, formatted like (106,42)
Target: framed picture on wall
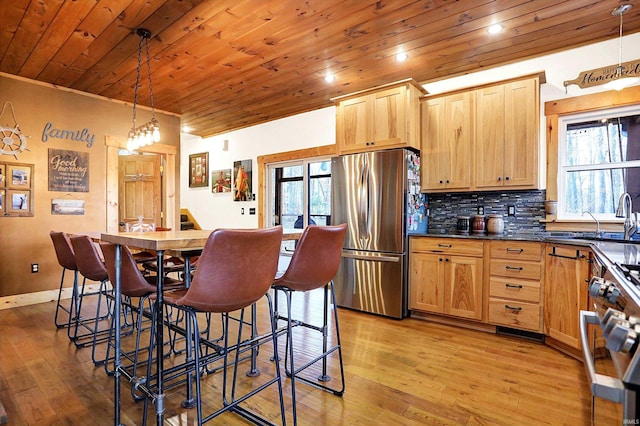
(19,203)
(19,176)
(221,181)
(242,180)
(16,189)
(198,169)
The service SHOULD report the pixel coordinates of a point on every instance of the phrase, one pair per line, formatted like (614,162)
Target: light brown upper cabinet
(482,138)
(447,141)
(507,142)
(381,118)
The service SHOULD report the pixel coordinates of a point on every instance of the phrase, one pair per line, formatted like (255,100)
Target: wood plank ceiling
(228,64)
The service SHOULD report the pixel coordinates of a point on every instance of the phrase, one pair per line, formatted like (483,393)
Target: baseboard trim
(18,300)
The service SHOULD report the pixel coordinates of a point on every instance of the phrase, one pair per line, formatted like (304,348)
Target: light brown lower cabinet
(445,277)
(568,270)
(515,284)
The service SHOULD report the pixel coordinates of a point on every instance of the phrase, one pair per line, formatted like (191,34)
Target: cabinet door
(389,116)
(432,151)
(521,133)
(463,284)
(353,128)
(565,293)
(458,138)
(426,282)
(490,137)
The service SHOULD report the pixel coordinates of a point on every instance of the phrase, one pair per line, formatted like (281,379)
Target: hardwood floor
(408,372)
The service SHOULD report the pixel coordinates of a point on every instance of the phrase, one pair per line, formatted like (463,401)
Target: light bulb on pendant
(619,82)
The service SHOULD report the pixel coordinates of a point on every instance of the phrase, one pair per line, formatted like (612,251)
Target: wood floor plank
(407,372)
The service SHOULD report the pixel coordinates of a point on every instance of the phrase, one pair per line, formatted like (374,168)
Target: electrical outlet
(252,210)
(35,268)
(511,210)
(480,209)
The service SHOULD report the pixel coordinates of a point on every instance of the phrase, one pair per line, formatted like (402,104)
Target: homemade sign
(598,76)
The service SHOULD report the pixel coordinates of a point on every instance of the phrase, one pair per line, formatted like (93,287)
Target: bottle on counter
(495,224)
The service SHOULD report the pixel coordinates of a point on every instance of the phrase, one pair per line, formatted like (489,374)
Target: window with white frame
(598,161)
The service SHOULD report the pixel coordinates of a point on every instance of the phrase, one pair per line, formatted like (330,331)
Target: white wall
(310,129)
(317,128)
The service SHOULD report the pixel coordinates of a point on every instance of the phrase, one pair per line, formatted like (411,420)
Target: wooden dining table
(162,242)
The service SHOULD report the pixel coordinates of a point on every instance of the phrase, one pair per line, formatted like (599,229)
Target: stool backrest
(316,259)
(64,250)
(132,282)
(88,259)
(235,269)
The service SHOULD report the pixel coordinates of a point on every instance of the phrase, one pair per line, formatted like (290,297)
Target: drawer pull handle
(513,308)
(513,285)
(513,268)
(445,245)
(514,250)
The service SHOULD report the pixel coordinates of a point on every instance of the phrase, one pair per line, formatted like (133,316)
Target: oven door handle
(602,386)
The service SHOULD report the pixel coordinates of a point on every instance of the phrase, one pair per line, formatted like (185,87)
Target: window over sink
(598,160)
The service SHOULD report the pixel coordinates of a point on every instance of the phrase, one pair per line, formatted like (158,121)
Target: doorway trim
(169,153)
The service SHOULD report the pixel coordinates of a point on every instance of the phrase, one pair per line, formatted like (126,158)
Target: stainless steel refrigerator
(378,195)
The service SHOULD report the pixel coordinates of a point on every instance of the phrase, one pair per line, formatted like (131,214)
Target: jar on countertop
(478,224)
(495,224)
(463,225)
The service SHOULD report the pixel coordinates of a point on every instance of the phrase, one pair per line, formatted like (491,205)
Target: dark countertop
(610,239)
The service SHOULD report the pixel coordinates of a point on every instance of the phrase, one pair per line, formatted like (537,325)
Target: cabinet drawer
(516,269)
(448,245)
(524,290)
(518,250)
(515,314)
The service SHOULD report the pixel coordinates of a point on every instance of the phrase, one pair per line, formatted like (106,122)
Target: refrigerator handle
(367,204)
(361,202)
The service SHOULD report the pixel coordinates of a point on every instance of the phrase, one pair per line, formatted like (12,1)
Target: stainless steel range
(615,292)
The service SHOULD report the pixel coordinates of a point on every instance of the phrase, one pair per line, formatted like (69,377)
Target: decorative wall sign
(198,169)
(12,140)
(17,198)
(84,135)
(598,76)
(67,206)
(221,181)
(68,171)
(242,180)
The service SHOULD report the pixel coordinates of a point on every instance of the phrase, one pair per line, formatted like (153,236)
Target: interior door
(139,188)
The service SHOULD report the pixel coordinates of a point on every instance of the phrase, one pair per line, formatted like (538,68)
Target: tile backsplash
(529,210)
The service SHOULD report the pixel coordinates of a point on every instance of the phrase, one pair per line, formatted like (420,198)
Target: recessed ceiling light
(329,78)
(186,129)
(494,29)
(402,56)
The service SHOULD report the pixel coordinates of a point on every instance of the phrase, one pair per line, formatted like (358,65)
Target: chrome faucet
(598,230)
(624,210)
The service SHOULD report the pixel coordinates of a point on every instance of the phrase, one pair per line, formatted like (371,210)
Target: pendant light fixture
(147,133)
(619,81)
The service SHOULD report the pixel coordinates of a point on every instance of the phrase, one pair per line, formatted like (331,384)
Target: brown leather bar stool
(92,268)
(235,270)
(66,259)
(133,285)
(313,265)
